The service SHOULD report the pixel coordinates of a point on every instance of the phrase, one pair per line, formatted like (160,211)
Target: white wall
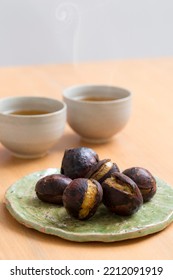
(53,31)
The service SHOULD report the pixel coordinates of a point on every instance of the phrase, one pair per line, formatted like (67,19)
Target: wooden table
(146,141)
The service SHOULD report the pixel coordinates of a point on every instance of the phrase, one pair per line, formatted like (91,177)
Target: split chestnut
(121,195)
(144,180)
(82,197)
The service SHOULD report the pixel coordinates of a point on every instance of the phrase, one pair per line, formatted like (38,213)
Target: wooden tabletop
(146,141)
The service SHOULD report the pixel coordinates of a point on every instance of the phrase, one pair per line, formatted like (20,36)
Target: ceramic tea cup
(97,112)
(30,126)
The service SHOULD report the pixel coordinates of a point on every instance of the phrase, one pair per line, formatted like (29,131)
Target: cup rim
(64,106)
(97,86)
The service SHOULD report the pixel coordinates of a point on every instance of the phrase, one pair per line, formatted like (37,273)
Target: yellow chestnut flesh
(82,197)
(88,200)
(121,195)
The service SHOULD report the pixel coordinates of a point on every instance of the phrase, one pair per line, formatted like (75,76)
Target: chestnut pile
(86,181)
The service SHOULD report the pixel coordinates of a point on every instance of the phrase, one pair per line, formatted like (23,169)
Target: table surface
(147,141)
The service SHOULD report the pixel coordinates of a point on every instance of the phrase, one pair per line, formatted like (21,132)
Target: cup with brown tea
(30,125)
(97,112)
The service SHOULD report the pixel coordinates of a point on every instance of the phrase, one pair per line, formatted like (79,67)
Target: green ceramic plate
(22,203)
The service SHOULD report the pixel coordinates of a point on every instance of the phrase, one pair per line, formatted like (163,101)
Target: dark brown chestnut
(51,187)
(77,162)
(102,170)
(144,180)
(82,197)
(121,195)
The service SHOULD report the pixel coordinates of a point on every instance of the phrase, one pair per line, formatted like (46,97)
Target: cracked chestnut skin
(77,162)
(82,197)
(144,180)
(50,188)
(121,195)
(102,170)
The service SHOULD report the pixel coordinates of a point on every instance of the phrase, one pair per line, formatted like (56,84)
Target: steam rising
(67,14)
(70,19)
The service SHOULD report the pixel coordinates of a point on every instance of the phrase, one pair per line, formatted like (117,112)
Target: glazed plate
(26,208)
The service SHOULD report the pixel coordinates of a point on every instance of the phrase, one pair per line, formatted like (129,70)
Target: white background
(55,31)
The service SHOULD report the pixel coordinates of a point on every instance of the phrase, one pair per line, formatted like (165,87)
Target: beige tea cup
(30,126)
(97,112)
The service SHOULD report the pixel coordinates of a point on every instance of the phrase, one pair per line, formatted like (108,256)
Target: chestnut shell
(144,180)
(74,195)
(50,188)
(97,173)
(121,195)
(77,162)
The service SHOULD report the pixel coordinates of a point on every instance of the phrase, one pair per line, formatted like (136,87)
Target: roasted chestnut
(82,197)
(77,162)
(102,170)
(144,180)
(51,187)
(121,195)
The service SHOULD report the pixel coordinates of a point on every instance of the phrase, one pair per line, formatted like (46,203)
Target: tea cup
(97,112)
(30,125)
